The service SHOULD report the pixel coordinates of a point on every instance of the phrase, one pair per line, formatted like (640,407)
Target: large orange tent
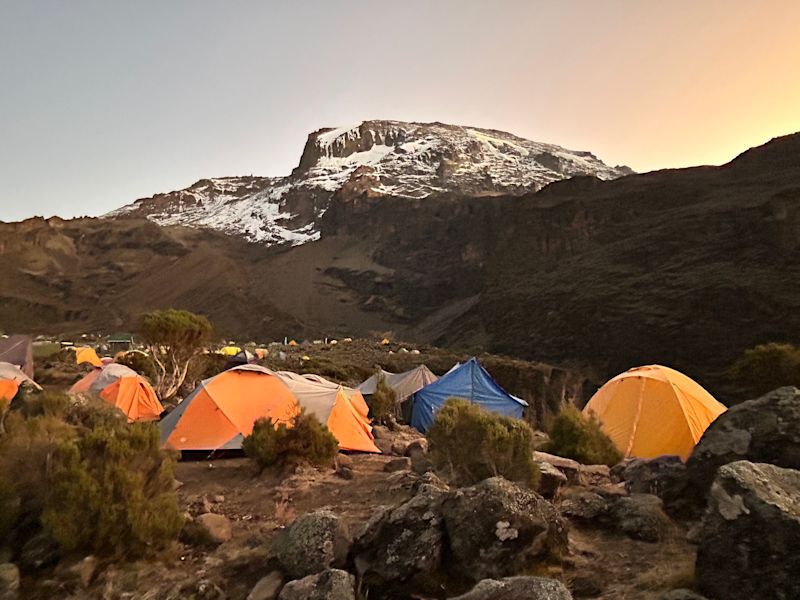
(223,409)
(654,411)
(124,388)
(341,409)
(11,378)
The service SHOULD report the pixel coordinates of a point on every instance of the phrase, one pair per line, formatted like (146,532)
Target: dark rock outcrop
(518,588)
(496,528)
(331,584)
(750,538)
(314,542)
(764,430)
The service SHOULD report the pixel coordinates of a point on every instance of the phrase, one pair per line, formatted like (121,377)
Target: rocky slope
(377,158)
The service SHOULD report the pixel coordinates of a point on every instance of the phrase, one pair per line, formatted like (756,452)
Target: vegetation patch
(579,437)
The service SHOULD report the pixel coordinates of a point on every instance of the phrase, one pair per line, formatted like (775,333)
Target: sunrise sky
(103,102)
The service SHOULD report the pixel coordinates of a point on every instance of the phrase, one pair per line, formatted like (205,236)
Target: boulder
(585,506)
(9,581)
(314,542)
(397,464)
(681,594)
(570,468)
(518,588)
(267,587)
(401,548)
(550,480)
(39,552)
(343,465)
(214,528)
(417,448)
(640,516)
(594,475)
(764,430)
(750,537)
(331,584)
(496,528)
(654,476)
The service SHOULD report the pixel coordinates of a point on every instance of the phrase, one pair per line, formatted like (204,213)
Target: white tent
(404,385)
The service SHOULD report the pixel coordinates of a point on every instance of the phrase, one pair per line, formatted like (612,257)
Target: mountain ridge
(391,159)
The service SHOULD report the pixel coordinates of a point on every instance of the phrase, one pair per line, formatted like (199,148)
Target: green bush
(383,403)
(27,451)
(470,444)
(112,493)
(52,404)
(140,362)
(766,367)
(572,435)
(91,412)
(304,441)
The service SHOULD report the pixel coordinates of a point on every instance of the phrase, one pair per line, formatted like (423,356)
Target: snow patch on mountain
(381,158)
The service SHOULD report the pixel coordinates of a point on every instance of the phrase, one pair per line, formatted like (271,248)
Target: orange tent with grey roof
(124,388)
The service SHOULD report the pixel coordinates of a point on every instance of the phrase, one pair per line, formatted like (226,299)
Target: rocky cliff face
(386,159)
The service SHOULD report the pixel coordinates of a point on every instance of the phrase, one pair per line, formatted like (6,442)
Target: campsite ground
(259,506)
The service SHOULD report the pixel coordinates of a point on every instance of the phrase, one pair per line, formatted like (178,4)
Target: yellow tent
(654,411)
(84,355)
(230,350)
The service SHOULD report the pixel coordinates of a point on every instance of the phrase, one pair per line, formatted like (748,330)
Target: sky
(103,102)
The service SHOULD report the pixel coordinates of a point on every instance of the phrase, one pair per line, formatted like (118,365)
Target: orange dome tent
(339,408)
(11,378)
(223,409)
(124,388)
(654,411)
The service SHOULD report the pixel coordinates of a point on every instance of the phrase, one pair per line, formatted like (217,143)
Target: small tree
(471,444)
(766,367)
(304,441)
(174,339)
(384,400)
(113,493)
(572,435)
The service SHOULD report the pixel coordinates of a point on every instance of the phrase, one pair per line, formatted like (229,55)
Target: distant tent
(18,350)
(11,378)
(230,350)
(405,385)
(242,357)
(124,388)
(222,410)
(342,409)
(470,381)
(654,411)
(87,355)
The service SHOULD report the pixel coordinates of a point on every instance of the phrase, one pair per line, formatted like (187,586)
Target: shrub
(175,338)
(383,402)
(572,435)
(140,362)
(26,455)
(471,444)
(304,441)
(90,412)
(52,404)
(766,367)
(113,494)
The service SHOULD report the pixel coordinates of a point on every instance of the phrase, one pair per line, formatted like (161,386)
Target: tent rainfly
(467,380)
(342,409)
(11,378)
(654,411)
(223,409)
(404,384)
(124,388)
(18,350)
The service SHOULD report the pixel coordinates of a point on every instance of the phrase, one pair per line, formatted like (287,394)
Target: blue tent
(468,380)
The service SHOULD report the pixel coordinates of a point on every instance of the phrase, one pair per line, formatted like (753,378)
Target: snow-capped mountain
(378,158)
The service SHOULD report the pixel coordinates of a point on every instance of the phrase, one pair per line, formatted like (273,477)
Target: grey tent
(18,350)
(405,385)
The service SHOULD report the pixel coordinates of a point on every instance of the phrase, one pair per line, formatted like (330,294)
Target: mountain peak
(382,158)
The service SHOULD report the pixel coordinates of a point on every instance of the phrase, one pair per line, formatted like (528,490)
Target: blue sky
(103,102)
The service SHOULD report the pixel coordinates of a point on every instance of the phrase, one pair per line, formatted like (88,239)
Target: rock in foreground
(314,542)
(750,539)
(518,588)
(331,584)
